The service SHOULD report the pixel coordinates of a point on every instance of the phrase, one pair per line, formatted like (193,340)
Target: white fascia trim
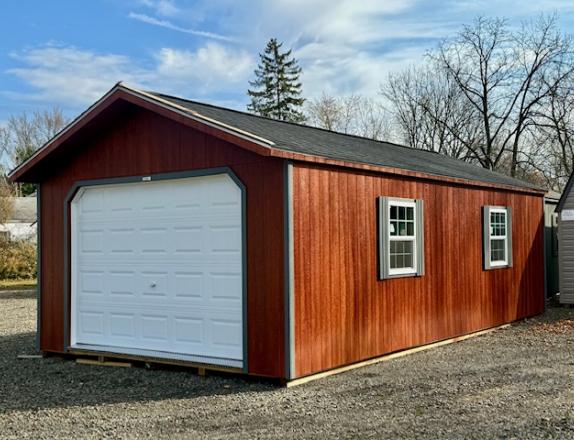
(65,129)
(197,116)
(162,103)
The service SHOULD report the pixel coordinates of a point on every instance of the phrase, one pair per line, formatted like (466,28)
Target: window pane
(402,213)
(394,228)
(408,260)
(410,213)
(410,228)
(497,250)
(400,262)
(401,254)
(497,224)
(393,212)
(402,228)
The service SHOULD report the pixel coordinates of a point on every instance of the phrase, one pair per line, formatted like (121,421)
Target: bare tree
(327,112)
(6,207)
(431,112)
(26,133)
(505,77)
(352,114)
(6,201)
(552,134)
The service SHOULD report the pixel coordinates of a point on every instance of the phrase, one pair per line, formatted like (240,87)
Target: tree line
(493,95)
(497,96)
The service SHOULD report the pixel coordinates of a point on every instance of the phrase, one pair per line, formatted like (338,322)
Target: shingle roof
(319,142)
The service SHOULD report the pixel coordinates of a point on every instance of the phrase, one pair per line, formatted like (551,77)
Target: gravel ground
(516,383)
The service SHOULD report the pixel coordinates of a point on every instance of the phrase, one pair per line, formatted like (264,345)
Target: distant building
(551,242)
(22,223)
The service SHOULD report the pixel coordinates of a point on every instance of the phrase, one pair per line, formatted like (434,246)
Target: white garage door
(157,269)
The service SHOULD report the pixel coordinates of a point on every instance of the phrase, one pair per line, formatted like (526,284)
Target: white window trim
(413,238)
(498,263)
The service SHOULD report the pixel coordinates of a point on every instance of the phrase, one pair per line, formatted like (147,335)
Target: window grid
(402,238)
(498,237)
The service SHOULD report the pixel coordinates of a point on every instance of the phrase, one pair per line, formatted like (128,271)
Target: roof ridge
(297,124)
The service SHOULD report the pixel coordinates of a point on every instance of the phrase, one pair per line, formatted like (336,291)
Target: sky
(68,53)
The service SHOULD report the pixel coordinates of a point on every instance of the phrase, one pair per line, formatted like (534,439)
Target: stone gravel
(516,383)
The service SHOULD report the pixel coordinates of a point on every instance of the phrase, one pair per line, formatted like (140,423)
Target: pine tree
(277,89)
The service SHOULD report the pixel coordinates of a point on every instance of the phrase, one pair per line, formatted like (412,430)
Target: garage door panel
(188,285)
(92,323)
(92,282)
(122,325)
(159,267)
(217,283)
(209,333)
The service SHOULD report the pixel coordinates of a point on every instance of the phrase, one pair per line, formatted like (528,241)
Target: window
(400,237)
(497,237)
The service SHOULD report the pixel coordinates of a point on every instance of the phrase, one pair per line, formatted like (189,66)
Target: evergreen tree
(277,89)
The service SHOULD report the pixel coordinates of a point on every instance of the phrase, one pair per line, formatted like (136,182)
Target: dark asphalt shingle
(318,142)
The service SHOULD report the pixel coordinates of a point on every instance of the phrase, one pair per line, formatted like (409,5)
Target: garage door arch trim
(77,186)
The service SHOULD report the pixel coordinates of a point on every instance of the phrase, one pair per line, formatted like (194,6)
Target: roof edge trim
(154,100)
(565,194)
(198,116)
(420,175)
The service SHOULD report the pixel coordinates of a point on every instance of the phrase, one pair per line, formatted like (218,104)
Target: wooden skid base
(118,360)
(388,357)
(103,363)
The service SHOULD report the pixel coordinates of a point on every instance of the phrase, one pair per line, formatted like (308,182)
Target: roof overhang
(565,193)
(153,103)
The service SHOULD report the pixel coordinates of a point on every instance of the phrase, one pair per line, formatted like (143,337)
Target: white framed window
(497,237)
(400,237)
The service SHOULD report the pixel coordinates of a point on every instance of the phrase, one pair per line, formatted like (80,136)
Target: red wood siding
(344,314)
(139,143)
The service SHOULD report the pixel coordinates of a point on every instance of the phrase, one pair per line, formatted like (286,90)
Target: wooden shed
(175,230)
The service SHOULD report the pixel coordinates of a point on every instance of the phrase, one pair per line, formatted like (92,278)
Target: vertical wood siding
(344,314)
(566,253)
(141,143)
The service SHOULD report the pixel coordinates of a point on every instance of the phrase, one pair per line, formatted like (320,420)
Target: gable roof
(301,142)
(565,193)
(303,139)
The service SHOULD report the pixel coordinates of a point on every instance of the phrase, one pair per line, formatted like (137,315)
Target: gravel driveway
(516,383)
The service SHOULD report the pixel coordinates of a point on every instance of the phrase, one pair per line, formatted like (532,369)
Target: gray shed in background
(565,210)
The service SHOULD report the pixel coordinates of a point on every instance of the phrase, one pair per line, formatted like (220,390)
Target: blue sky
(68,53)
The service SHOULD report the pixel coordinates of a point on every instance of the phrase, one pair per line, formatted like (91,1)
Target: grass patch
(17,284)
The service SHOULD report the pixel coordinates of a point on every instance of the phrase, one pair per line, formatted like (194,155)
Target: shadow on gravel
(54,382)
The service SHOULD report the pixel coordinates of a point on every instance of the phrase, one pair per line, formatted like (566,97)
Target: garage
(157,269)
(172,231)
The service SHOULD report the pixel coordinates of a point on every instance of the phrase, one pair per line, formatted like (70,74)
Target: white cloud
(344,46)
(213,66)
(73,77)
(169,25)
(166,8)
